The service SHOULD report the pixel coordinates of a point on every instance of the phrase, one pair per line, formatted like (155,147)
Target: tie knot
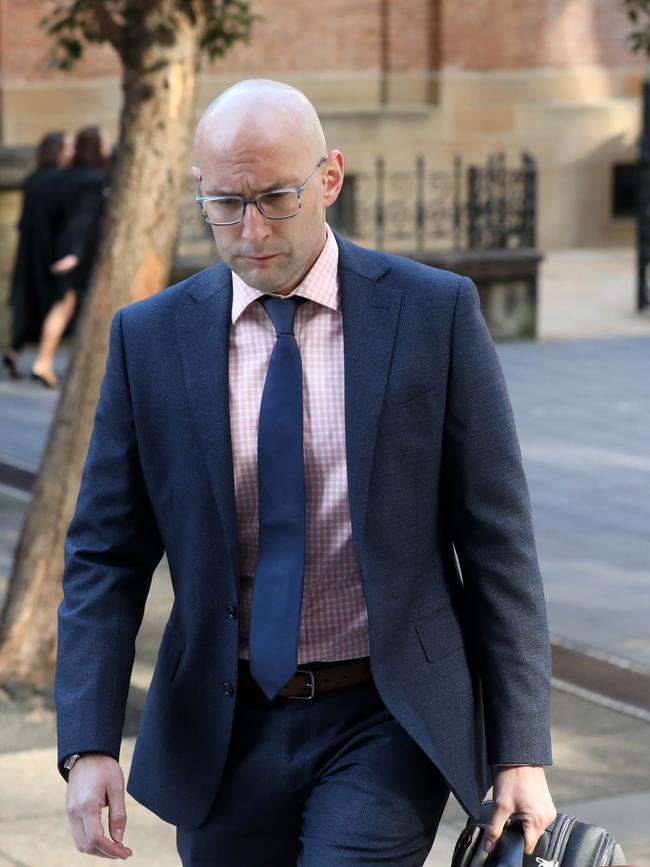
(281,311)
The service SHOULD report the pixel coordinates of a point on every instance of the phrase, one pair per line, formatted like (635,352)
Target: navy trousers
(331,782)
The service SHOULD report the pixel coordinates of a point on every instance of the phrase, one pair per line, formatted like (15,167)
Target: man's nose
(255,226)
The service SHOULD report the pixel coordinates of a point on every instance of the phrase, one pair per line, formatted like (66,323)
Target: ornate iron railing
(470,207)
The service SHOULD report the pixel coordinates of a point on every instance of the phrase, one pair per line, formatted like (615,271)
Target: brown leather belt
(308,682)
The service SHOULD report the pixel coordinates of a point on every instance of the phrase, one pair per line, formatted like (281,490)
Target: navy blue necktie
(277,588)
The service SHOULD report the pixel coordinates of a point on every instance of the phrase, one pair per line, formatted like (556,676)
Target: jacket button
(228,688)
(232,611)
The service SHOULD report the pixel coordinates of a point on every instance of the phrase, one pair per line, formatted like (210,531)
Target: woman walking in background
(33,286)
(82,189)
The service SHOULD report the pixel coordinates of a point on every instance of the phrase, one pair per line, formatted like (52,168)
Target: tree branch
(115,33)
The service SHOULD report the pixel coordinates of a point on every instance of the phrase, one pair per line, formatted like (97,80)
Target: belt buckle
(311,684)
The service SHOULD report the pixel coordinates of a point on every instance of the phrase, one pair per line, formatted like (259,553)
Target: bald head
(262,141)
(264,109)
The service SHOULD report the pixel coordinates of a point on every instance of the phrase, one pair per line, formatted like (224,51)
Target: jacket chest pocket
(416,417)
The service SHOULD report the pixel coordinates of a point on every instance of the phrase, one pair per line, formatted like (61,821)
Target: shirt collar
(320,284)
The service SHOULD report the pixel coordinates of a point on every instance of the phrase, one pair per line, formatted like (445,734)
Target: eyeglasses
(274,205)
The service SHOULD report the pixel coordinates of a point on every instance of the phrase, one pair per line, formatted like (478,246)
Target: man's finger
(78,834)
(81,840)
(116,813)
(498,817)
(99,841)
(533,828)
(532,833)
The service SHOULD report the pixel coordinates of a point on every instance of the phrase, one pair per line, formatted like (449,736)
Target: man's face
(269,255)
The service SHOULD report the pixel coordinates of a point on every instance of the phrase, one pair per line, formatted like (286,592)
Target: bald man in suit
(320,438)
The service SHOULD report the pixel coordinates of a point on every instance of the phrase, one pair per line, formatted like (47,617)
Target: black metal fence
(468,208)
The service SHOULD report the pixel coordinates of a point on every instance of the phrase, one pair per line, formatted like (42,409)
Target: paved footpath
(581,398)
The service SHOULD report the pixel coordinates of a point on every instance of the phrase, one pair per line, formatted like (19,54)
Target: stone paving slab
(12,510)
(27,412)
(582,411)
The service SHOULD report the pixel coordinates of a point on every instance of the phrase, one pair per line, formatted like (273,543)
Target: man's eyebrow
(276,185)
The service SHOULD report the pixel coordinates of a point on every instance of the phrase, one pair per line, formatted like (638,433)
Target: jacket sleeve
(492,531)
(112,548)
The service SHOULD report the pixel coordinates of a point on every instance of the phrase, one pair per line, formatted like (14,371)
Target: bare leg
(54,326)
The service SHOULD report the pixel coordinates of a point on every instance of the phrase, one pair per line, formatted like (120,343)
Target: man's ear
(196,173)
(333,177)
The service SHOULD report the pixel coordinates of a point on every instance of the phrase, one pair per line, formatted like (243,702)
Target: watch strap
(71,759)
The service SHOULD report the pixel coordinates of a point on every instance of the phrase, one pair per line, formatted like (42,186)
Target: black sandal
(43,380)
(10,366)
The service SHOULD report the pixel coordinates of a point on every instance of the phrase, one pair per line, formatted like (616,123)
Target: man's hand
(520,791)
(97,781)
(62,266)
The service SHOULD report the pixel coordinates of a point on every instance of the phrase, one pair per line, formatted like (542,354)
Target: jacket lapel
(370,313)
(203,332)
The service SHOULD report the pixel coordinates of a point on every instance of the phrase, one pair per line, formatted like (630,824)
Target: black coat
(33,287)
(82,192)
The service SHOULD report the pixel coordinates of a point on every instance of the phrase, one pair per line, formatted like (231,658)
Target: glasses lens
(223,210)
(278,205)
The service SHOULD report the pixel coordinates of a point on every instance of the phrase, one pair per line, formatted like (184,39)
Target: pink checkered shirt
(334,620)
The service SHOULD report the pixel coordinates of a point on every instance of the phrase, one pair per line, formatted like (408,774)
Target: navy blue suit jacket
(459,649)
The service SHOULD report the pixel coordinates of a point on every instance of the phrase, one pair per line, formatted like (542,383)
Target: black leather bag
(565,843)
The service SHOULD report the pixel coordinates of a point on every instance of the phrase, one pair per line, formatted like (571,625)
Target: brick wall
(308,37)
(511,34)
(25,47)
(302,36)
(410,28)
(338,35)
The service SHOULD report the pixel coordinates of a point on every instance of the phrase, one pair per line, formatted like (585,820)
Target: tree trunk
(160,65)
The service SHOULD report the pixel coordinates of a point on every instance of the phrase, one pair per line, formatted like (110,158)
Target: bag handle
(509,851)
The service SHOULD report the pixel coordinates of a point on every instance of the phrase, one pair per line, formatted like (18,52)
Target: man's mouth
(261,260)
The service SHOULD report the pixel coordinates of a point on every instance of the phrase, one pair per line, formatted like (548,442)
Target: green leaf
(72,24)
(638,13)
(228,22)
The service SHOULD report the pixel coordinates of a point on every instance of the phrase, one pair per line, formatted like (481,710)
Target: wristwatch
(69,763)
